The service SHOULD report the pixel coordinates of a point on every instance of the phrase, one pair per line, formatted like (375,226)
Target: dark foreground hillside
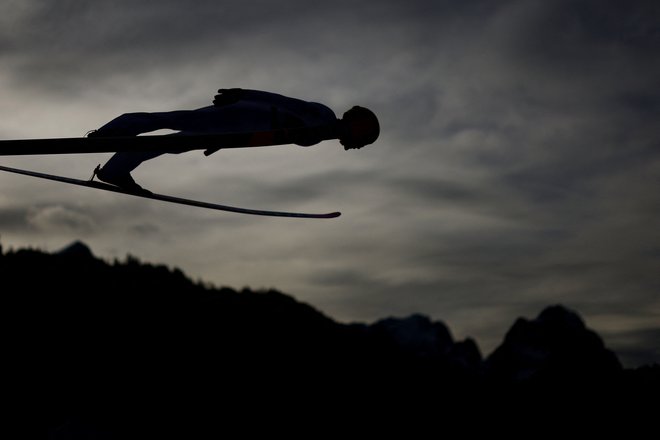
(114,348)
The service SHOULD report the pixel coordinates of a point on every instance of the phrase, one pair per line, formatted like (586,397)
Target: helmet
(361,128)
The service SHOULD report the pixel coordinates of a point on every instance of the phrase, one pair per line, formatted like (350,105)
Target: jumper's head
(359,128)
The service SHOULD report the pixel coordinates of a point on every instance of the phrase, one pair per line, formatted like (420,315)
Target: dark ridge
(116,348)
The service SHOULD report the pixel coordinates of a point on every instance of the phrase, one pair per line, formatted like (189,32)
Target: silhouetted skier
(238,110)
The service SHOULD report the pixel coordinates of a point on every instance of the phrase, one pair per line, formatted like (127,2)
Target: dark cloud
(342,278)
(54,218)
(567,30)
(46,219)
(145,229)
(14,219)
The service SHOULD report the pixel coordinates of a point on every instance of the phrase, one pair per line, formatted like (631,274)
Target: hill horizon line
(415,322)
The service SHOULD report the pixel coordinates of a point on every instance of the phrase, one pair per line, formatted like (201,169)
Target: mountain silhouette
(108,346)
(554,346)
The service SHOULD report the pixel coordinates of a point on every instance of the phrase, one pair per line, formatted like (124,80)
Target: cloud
(57,217)
(13,219)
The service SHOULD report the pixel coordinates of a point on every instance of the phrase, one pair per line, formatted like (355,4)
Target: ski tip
(333,215)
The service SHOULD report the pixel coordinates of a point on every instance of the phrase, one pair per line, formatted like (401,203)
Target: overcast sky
(518,164)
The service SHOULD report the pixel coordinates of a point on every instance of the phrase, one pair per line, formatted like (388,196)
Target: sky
(518,164)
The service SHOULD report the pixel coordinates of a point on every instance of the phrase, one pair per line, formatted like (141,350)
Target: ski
(174,143)
(165,198)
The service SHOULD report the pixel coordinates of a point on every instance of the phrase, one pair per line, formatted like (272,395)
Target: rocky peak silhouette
(556,344)
(416,335)
(77,249)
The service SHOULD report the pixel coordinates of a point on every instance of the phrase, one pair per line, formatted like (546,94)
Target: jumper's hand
(227,97)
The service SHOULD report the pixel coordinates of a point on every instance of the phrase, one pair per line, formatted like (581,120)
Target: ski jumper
(249,111)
